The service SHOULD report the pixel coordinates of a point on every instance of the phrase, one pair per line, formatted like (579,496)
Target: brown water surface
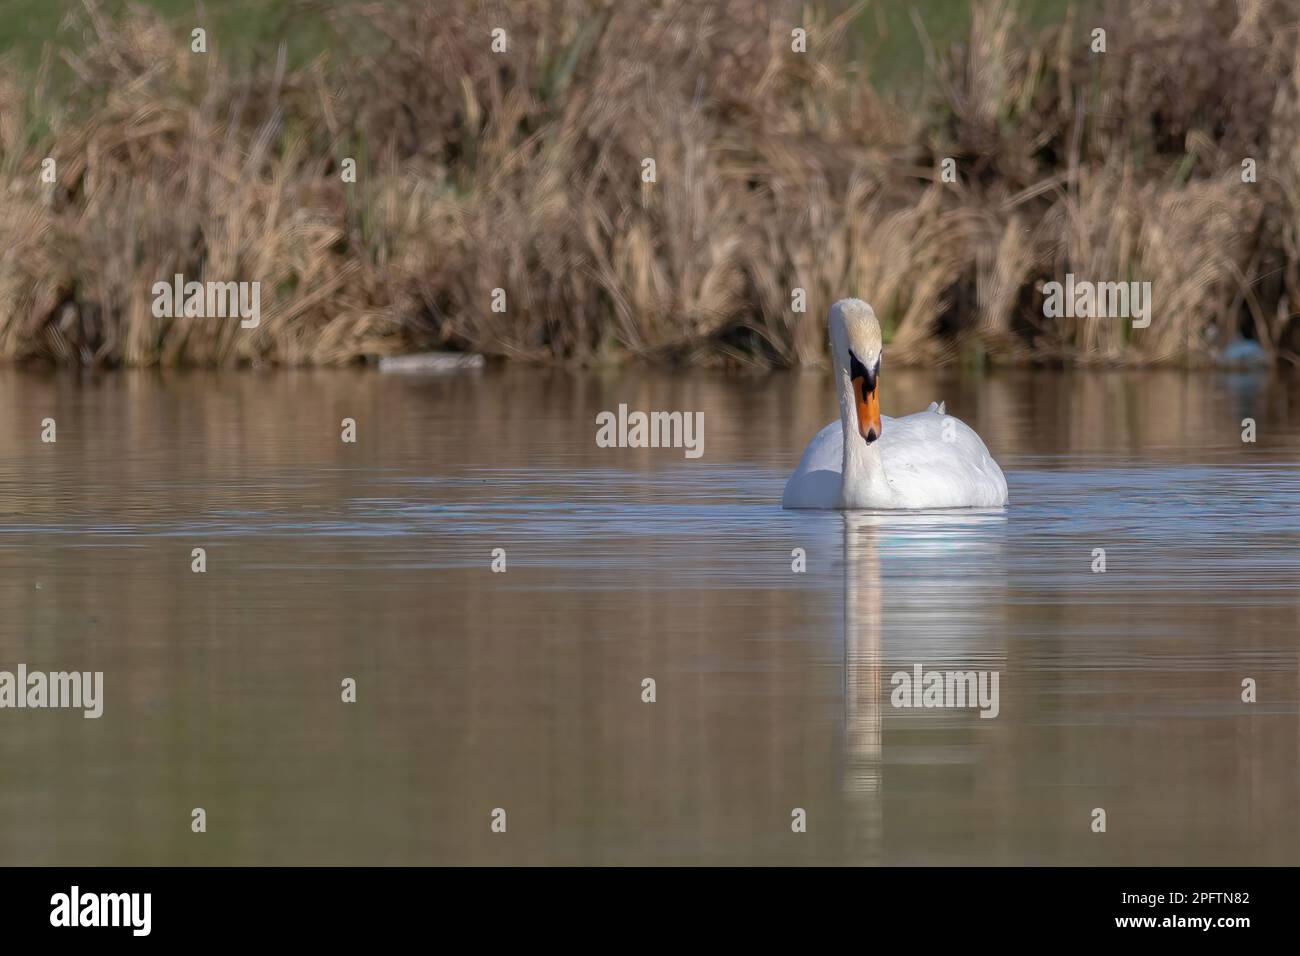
(523,690)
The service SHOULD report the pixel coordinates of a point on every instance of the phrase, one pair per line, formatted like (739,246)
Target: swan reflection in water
(919,588)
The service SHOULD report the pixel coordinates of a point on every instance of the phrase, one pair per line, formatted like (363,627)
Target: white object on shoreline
(431,362)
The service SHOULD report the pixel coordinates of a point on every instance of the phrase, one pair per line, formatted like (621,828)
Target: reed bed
(776,171)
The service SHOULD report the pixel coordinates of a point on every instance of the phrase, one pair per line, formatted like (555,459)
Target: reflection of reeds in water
(775,171)
(243,424)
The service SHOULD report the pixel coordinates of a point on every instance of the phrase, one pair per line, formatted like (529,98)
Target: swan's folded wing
(938,461)
(816,482)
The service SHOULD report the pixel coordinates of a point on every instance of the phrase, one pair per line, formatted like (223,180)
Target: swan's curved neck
(862,476)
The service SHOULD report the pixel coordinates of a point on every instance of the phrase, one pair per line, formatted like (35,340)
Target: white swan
(926,460)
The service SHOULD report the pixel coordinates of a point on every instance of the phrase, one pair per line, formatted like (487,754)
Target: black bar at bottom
(334,905)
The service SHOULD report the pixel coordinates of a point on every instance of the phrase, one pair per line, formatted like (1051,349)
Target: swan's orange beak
(865,385)
(868,410)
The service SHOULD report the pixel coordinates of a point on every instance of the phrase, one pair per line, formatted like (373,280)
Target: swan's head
(856,346)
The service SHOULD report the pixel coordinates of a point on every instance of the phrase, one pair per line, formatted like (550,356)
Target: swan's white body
(926,460)
(920,469)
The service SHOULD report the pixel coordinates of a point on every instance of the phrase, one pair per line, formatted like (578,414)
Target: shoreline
(592,189)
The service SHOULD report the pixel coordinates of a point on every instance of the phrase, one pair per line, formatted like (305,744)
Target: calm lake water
(523,690)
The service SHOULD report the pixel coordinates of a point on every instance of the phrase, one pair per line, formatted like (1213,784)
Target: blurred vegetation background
(886,34)
(776,171)
(27,25)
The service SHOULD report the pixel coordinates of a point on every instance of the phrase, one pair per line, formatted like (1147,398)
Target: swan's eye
(859,371)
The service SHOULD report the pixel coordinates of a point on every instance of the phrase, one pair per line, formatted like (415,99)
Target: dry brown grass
(775,170)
